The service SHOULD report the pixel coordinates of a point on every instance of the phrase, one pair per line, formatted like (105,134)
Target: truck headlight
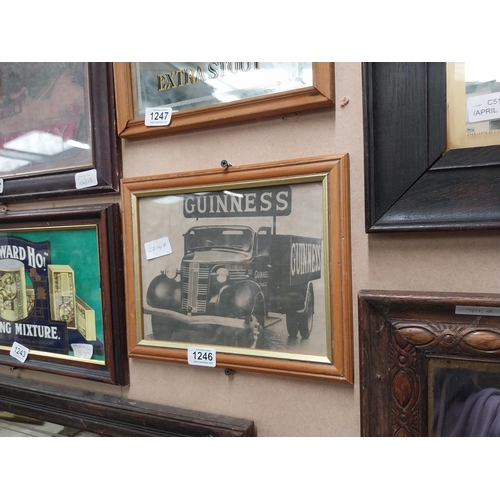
(222,274)
(171,272)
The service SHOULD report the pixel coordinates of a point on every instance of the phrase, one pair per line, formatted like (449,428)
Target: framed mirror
(205,94)
(413,180)
(429,363)
(463,396)
(57,130)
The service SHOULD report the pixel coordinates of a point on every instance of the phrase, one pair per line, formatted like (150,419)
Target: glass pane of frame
(188,85)
(473,91)
(464,398)
(44,117)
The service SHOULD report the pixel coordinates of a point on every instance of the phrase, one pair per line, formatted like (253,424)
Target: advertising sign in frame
(247,266)
(61,279)
(197,85)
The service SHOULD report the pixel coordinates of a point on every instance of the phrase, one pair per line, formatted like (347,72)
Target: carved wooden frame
(399,333)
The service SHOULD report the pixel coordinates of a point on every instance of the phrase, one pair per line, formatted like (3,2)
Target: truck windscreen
(205,238)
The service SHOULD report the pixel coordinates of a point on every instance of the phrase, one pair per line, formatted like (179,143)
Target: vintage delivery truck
(231,278)
(229,281)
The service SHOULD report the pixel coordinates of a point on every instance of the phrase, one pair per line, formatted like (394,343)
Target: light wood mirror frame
(321,94)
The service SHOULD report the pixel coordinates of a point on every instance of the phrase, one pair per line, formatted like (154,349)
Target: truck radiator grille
(238,274)
(194,287)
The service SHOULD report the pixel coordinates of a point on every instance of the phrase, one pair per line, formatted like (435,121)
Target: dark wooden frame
(411,182)
(113,416)
(399,333)
(107,220)
(106,150)
(319,95)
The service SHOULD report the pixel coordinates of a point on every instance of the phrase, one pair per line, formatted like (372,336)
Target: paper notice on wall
(157,248)
(478,311)
(481,108)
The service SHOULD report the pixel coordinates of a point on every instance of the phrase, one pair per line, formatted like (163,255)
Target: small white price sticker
(201,356)
(157,248)
(86,179)
(19,352)
(84,351)
(157,117)
(478,311)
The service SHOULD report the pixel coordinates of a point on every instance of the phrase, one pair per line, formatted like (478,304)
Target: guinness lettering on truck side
(233,275)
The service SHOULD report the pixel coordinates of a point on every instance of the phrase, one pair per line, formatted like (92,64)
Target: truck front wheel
(162,328)
(256,324)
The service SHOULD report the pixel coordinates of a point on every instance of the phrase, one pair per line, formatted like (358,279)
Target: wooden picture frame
(249,275)
(320,94)
(412,182)
(50,259)
(405,338)
(114,416)
(77,151)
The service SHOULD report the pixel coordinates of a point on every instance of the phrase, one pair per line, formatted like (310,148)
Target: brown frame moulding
(400,334)
(112,416)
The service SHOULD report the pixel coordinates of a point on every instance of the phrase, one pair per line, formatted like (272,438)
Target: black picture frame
(411,182)
(106,150)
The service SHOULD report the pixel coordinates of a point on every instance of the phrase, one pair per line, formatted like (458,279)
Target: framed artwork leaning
(61,280)
(250,264)
(57,130)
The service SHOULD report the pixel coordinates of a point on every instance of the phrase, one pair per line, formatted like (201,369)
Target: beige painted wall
(281,406)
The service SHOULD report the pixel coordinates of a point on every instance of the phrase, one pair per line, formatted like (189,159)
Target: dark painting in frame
(412,182)
(252,262)
(60,287)
(71,107)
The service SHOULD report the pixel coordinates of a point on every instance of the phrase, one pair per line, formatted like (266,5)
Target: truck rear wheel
(292,324)
(306,318)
